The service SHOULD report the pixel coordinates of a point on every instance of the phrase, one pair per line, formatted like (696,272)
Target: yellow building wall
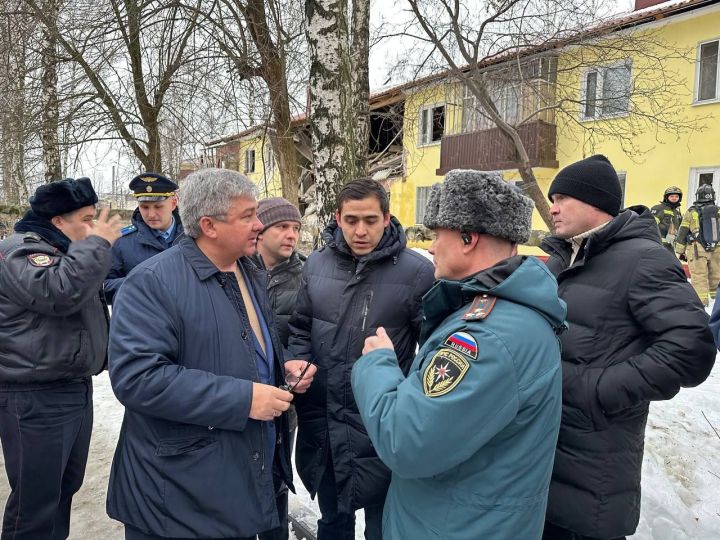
(421,161)
(663,159)
(268,182)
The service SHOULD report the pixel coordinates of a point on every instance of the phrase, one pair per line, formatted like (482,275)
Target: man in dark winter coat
(624,348)
(53,330)
(363,278)
(155,226)
(196,361)
(470,432)
(277,256)
(668,216)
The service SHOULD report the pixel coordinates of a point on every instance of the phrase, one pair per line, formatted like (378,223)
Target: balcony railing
(490,149)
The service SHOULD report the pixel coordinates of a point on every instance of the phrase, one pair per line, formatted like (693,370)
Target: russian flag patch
(463,343)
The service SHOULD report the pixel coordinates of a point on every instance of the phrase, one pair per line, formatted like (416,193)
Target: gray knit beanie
(475,201)
(276,209)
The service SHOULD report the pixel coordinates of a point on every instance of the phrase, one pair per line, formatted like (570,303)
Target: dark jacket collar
(634,222)
(32,222)
(147,235)
(203,267)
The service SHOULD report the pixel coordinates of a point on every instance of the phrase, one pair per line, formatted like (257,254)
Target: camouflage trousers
(704,271)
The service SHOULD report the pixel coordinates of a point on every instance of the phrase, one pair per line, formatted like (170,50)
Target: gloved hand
(682,257)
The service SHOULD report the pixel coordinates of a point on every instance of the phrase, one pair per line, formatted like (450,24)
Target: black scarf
(32,222)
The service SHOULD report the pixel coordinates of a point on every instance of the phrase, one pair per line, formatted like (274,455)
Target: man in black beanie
(53,330)
(625,294)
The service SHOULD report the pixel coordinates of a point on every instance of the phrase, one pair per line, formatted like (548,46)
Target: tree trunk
(337,156)
(360,108)
(50,112)
(14,47)
(274,75)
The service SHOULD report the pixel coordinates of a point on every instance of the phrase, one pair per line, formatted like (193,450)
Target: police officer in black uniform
(53,330)
(155,226)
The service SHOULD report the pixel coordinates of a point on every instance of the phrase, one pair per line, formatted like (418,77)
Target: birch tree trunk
(338,117)
(49,96)
(13,43)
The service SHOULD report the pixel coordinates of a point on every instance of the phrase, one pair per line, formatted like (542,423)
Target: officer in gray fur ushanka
(469,434)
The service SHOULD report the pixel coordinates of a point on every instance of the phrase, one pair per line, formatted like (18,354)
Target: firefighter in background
(668,216)
(697,241)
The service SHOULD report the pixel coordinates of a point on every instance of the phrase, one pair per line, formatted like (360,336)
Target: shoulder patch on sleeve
(463,343)
(127,230)
(41,259)
(444,372)
(480,308)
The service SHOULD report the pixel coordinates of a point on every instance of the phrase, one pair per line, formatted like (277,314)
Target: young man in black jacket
(54,334)
(363,278)
(624,348)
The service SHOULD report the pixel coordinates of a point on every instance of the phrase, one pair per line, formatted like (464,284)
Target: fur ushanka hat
(477,201)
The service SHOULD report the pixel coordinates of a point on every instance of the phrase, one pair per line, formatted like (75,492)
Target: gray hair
(209,192)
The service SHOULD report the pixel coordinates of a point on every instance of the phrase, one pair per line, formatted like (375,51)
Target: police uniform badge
(444,372)
(464,343)
(41,259)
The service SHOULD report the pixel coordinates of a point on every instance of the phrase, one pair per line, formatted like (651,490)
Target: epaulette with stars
(480,308)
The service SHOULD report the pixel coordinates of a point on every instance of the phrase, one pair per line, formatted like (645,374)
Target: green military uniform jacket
(470,433)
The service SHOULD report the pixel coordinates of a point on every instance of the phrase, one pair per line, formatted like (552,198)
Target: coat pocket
(185,446)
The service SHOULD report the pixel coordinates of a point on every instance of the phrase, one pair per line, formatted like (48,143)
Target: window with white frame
(606,91)
(708,71)
(507,102)
(701,176)
(421,199)
(432,124)
(250,160)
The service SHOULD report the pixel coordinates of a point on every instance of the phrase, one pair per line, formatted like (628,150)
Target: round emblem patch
(40,259)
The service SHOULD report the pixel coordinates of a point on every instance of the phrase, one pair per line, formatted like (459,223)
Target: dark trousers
(553,532)
(45,438)
(334,525)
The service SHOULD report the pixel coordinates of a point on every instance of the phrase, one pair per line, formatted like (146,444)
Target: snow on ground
(681,471)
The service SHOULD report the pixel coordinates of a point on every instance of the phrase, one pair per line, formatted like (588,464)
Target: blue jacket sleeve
(143,363)
(116,276)
(419,436)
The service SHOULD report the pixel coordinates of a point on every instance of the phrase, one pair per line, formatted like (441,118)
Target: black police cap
(63,196)
(152,187)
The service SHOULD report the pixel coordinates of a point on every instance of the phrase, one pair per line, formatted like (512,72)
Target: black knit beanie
(592,180)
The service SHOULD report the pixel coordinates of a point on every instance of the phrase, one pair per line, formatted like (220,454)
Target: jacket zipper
(366,308)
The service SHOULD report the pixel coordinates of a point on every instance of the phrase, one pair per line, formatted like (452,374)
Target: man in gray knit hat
(277,256)
(469,433)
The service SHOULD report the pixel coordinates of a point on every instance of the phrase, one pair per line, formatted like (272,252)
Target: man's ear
(386,219)
(337,216)
(207,226)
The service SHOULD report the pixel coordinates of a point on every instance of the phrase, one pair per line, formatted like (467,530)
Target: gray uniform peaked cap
(476,201)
